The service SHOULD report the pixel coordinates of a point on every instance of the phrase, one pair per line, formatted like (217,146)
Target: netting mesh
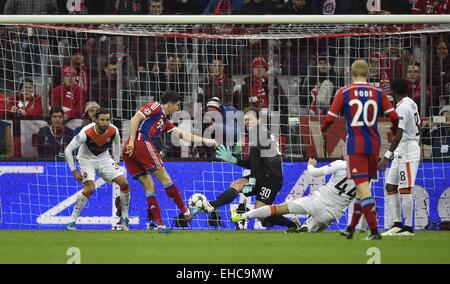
(289,71)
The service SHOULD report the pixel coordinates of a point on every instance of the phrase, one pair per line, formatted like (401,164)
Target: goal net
(289,71)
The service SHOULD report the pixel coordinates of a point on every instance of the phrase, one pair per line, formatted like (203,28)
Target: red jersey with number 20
(155,121)
(361,104)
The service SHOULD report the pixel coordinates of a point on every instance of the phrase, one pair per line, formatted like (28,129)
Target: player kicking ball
(142,158)
(405,149)
(93,143)
(324,205)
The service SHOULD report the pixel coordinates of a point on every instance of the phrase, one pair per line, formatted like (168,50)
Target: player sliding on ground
(361,104)
(266,177)
(405,149)
(324,205)
(93,156)
(141,156)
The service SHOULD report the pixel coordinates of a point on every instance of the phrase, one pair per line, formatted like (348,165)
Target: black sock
(225,197)
(280,221)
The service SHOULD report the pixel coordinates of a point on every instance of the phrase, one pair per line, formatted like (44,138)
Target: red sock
(357,213)
(154,208)
(368,210)
(173,192)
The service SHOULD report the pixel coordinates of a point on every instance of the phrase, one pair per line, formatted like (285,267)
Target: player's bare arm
(137,118)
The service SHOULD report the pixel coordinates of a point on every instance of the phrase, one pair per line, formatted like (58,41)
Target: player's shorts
(107,168)
(402,173)
(145,159)
(315,206)
(265,190)
(362,167)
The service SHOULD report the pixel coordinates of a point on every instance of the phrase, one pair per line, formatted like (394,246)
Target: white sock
(125,203)
(260,213)
(79,205)
(395,205)
(407,207)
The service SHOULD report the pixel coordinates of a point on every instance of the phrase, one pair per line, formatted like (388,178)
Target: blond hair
(360,68)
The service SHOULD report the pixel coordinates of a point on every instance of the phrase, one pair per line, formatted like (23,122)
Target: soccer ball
(197,200)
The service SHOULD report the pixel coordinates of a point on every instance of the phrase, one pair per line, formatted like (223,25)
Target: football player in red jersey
(361,104)
(141,157)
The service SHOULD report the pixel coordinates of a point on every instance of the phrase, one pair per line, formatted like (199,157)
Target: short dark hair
(56,109)
(102,111)
(253,109)
(400,86)
(415,64)
(170,97)
(23,81)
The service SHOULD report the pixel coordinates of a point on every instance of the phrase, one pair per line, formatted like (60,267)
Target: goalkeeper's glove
(248,187)
(225,154)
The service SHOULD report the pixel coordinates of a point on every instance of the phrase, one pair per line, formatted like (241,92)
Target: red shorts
(145,159)
(362,167)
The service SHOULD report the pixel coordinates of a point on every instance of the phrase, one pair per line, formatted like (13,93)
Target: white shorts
(402,173)
(107,168)
(315,206)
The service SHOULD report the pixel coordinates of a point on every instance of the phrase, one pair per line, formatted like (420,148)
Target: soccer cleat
(405,232)
(371,237)
(235,217)
(298,226)
(347,233)
(163,230)
(208,207)
(71,226)
(124,222)
(392,231)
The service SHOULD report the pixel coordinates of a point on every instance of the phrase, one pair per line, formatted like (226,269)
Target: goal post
(288,66)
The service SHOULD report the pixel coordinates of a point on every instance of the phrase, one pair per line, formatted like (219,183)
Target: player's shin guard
(407,206)
(357,213)
(154,209)
(173,192)
(79,205)
(125,202)
(368,209)
(225,197)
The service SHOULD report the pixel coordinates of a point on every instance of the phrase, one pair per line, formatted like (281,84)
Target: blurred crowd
(222,7)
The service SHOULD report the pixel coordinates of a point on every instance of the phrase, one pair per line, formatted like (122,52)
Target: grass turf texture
(217,247)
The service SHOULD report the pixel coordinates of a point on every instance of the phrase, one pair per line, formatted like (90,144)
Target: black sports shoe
(181,221)
(406,231)
(214,219)
(348,233)
(376,236)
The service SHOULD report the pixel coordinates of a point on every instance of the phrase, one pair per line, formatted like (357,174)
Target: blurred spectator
(68,95)
(297,7)
(218,85)
(173,78)
(53,138)
(31,7)
(2,104)
(255,92)
(415,86)
(431,7)
(397,59)
(254,48)
(6,140)
(186,7)
(223,7)
(258,7)
(130,7)
(218,113)
(90,111)
(440,73)
(82,77)
(339,7)
(156,7)
(26,103)
(319,87)
(106,94)
(378,75)
(438,134)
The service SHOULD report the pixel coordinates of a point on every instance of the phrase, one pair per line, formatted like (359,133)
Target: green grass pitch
(222,247)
